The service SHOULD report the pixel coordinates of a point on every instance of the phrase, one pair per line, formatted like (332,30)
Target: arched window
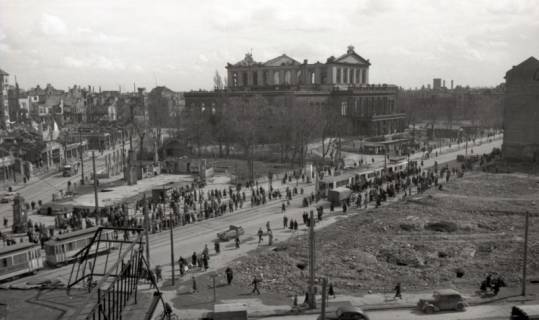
(287,77)
(235,79)
(276,79)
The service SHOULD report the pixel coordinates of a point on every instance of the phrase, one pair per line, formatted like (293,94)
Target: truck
(339,194)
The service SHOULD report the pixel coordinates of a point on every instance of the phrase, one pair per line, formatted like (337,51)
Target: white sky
(180,43)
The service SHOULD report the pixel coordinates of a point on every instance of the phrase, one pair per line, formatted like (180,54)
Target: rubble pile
(436,239)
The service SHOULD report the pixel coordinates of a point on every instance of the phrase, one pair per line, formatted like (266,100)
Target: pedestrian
(260,235)
(283,207)
(194,284)
(217,247)
(182,266)
(255,285)
(285,222)
(237,241)
(194,259)
(398,291)
(205,259)
(229,275)
(270,238)
(206,251)
(268,226)
(158,274)
(331,291)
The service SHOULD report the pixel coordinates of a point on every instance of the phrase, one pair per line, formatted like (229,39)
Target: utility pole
(312,260)
(146,228)
(123,153)
(81,149)
(171,234)
(525,258)
(95,190)
(324,299)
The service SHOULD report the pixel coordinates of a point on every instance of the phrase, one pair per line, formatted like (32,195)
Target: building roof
(352,57)
(247,61)
(280,61)
(3,73)
(525,71)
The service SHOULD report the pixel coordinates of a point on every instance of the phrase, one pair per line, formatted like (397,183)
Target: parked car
(442,300)
(8,197)
(231,233)
(525,312)
(347,313)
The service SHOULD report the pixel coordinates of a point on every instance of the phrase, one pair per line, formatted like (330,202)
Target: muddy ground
(448,238)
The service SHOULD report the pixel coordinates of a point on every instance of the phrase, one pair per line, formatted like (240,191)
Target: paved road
(43,188)
(192,237)
(490,312)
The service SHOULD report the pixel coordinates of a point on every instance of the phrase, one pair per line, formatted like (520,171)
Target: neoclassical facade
(348,69)
(340,83)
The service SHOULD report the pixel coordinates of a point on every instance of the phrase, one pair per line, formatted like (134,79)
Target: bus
(20,259)
(62,248)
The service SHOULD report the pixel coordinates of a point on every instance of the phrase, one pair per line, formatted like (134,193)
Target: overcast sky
(180,44)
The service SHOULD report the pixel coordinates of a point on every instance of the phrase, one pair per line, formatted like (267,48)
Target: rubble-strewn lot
(475,225)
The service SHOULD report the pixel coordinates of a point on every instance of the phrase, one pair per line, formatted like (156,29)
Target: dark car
(347,313)
(525,312)
(442,300)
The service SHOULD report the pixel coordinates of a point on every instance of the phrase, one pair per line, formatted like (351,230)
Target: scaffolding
(110,270)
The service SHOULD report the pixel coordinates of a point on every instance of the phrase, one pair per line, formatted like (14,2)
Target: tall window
(235,79)
(244,80)
(299,79)
(255,78)
(287,77)
(338,75)
(361,76)
(313,77)
(344,107)
(276,79)
(346,75)
(265,77)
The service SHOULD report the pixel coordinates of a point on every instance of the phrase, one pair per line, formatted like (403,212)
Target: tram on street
(359,177)
(62,248)
(20,259)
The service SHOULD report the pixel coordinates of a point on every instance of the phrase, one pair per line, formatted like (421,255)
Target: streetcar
(62,248)
(361,177)
(20,259)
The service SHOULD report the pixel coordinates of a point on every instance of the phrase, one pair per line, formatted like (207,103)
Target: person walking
(331,291)
(285,222)
(398,291)
(194,284)
(194,259)
(217,247)
(260,235)
(237,242)
(229,275)
(158,274)
(255,285)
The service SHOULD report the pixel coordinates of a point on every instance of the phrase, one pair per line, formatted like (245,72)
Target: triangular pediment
(352,58)
(282,60)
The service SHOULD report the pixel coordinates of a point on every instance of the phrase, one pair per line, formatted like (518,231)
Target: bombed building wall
(521,112)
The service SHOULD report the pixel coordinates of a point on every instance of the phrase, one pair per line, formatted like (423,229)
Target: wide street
(42,188)
(193,237)
(490,312)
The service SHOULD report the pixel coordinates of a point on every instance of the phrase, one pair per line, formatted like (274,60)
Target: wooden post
(312,260)
(525,257)
(95,190)
(81,150)
(324,299)
(171,235)
(146,228)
